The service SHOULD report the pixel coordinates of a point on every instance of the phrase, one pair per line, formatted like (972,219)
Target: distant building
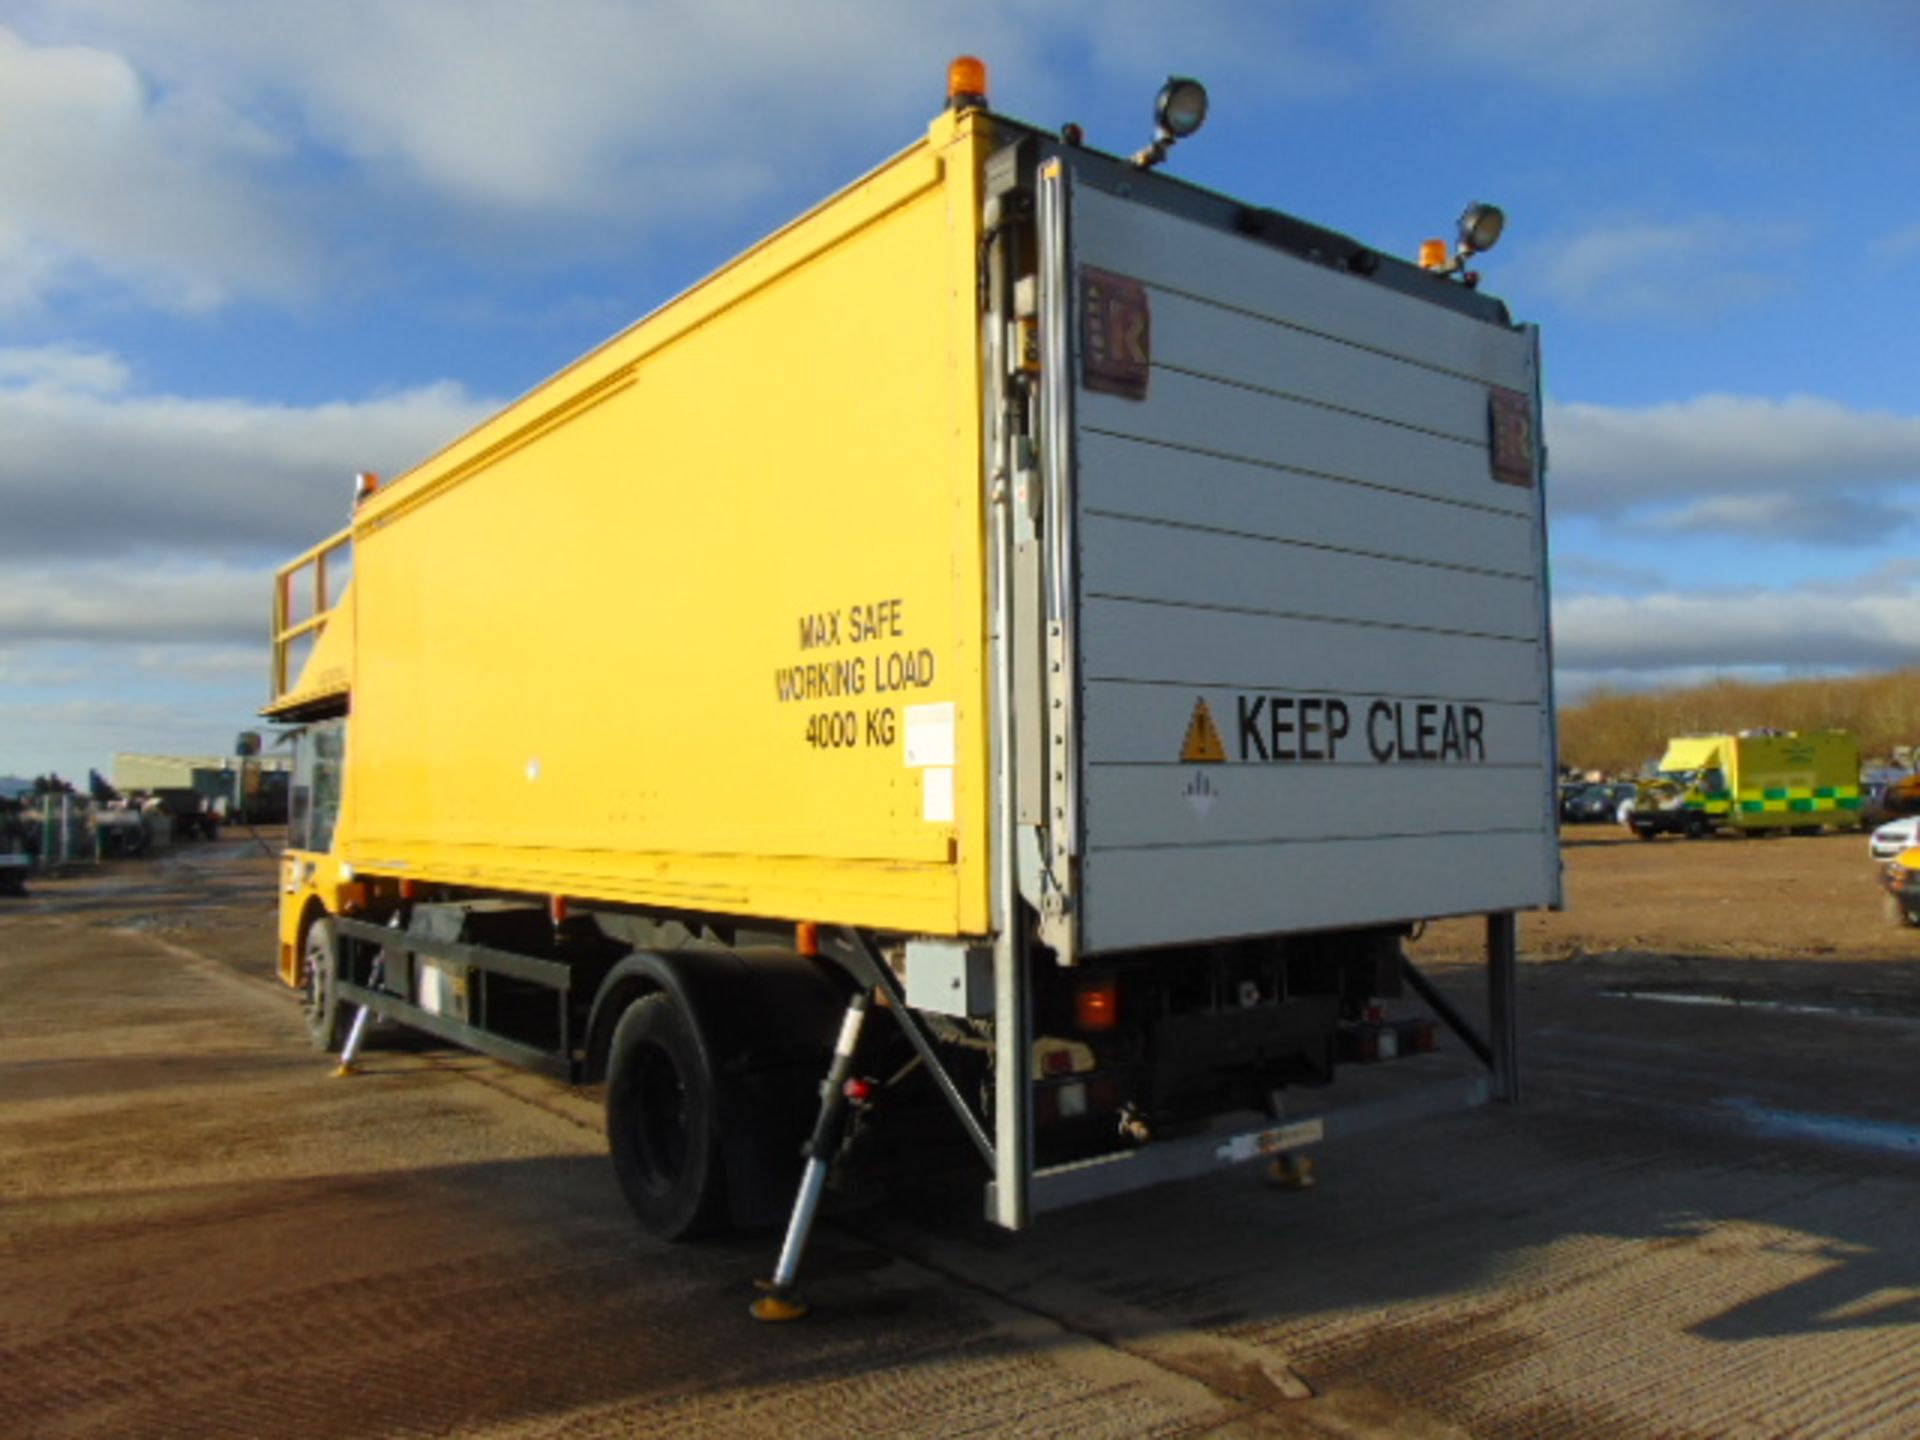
(230,787)
(133,771)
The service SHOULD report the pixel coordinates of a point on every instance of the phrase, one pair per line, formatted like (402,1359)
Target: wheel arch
(771,1004)
(310,910)
(763,1023)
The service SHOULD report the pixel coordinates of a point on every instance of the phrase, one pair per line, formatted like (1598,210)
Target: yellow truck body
(755,519)
(1759,780)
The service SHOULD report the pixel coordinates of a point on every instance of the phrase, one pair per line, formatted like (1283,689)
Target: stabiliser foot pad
(775,1306)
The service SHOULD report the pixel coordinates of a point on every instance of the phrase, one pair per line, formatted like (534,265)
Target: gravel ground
(1701,1222)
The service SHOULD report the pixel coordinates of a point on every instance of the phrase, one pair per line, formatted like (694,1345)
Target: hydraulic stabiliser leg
(781,1301)
(358,1033)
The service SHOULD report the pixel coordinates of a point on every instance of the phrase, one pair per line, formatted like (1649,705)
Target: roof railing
(305,592)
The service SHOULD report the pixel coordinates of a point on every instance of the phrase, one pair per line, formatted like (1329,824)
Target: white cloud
(72,736)
(1901,244)
(612,109)
(1761,461)
(1719,472)
(166,603)
(195,152)
(1279,49)
(634,106)
(103,177)
(22,669)
(1632,269)
(198,151)
(1583,45)
(1820,518)
(1600,573)
(204,662)
(1815,627)
(62,367)
(140,540)
(93,468)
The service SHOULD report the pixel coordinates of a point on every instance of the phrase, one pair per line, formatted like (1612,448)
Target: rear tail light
(1096,1005)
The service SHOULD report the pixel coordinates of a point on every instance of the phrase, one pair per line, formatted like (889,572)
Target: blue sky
(247,249)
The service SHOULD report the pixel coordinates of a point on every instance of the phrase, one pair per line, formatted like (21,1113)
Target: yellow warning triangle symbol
(1202,745)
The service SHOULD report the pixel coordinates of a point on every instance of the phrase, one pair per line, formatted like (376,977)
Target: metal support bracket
(1445,1009)
(1503,1008)
(1499,1051)
(857,956)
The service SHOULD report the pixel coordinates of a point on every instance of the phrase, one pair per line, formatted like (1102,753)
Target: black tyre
(1896,912)
(1697,827)
(327,1018)
(661,1122)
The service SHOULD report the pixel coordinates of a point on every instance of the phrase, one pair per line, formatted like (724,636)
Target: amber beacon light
(967,84)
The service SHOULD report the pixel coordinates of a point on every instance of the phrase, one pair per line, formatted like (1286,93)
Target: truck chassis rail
(560,1063)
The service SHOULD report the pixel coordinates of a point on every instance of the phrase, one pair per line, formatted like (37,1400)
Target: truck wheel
(319,999)
(660,1121)
(1697,827)
(1896,912)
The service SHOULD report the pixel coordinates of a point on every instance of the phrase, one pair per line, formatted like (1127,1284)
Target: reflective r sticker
(1116,334)
(1510,433)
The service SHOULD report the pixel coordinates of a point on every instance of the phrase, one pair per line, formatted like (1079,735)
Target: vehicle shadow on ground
(448,1295)
(443,1300)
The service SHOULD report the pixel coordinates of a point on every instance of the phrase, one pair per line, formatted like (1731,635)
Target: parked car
(1896,835)
(1887,798)
(1901,903)
(1598,803)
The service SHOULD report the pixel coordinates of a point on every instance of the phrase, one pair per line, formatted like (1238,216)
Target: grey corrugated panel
(1207,339)
(1140,723)
(1291,510)
(1221,419)
(1158,482)
(1133,640)
(1163,250)
(1149,805)
(1148,560)
(1134,898)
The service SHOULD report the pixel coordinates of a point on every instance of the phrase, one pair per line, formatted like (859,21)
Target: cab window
(318,768)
